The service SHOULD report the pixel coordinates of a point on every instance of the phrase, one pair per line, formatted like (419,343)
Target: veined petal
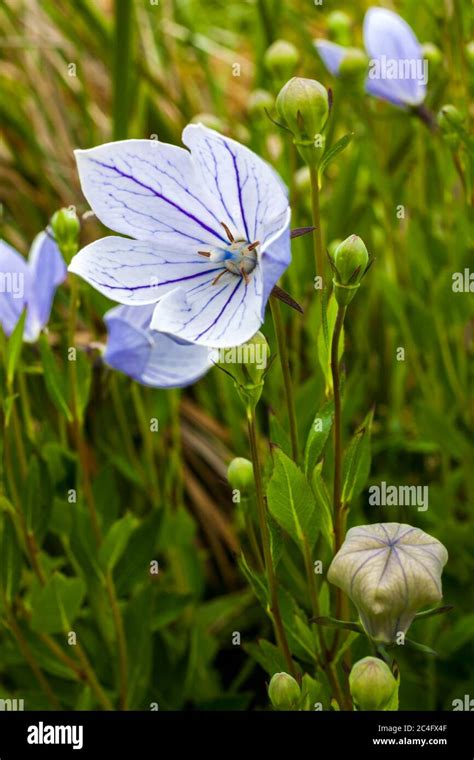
(245,188)
(275,256)
(150,357)
(137,271)
(331,54)
(48,270)
(221,315)
(388,38)
(149,190)
(15,284)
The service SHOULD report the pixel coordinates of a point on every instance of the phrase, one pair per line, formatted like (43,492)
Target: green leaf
(115,541)
(331,154)
(10,558)
(323,502)
(134,565)
(318,435)
(138,632)
(56,605)
(335,623)
(357,458)
(291,500)
(268,656)
(312,693)
(14,348)
(168,607)
(420,647)
(256,581)
(329,314)
(456,636)
(55,384)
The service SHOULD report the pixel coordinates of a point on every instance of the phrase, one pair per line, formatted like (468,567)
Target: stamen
(254,245)
(244,274)
(216,279)
(207,254)
(228,232)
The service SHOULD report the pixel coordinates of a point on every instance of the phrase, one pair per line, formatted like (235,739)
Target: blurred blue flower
(210,228)
(29,283)
(397,71)
(150,357)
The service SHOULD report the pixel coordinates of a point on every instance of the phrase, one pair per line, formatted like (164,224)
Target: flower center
(239,257)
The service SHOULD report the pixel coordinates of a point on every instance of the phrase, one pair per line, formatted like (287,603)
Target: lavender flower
(29,284)
(150,357)
(210,233)
(397,71)
(390,571)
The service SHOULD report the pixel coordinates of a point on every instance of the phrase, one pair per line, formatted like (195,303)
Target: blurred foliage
(74,76)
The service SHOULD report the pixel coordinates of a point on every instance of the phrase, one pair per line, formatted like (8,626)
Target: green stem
(287,382)
(121,640)
(317,235)
(122,67)
(29,657)
(265,537)
(338,510)
(336,381)
(176,449)
(146,433)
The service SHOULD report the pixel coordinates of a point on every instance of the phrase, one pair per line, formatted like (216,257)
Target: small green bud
(259,102)
(281,59)
(449,118)
(284,692)
(66,227)
(373,685)
(240,475)
(339,27)
(247,364)
(304,106)
(211,121)
(470,52)
(432,54)
(353,67)
(350,260)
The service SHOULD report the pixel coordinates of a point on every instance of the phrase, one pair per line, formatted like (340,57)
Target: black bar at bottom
(142,734)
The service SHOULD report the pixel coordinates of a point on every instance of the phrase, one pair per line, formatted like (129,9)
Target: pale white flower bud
(390,571)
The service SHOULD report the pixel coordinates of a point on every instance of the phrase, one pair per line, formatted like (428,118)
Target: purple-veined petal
(275,256)
(48,270)
(246,190)
(331,54)
(149,190)
(388,38)
(221,315)
(150,357)
(140,272)
(14,286)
